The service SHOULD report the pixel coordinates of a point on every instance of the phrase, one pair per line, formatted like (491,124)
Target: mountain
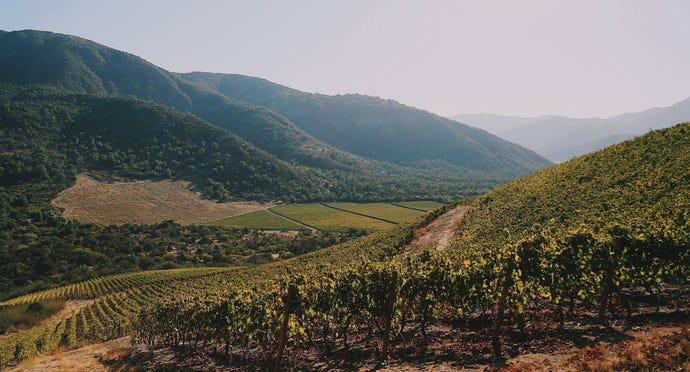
(82,66)
(560,138)
(376,128)
(641,185)
(450,158)
(48,137)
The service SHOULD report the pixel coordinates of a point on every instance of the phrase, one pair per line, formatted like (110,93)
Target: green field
(385,211)
(257,220)
(423,204)
(328,219)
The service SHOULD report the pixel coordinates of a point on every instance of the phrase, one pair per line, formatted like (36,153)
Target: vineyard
(574,254)
(119,298)
(116,299)
(395,302)
(580,248)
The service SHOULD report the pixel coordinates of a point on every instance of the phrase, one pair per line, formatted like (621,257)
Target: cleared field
(324,218)
(423,204)
(143,202)
(257,220)
(385,211)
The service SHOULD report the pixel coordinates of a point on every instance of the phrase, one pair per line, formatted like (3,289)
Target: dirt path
(84,359)
(439,233)
(313,230)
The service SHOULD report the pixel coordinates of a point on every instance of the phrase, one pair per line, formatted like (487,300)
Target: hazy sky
(576,58)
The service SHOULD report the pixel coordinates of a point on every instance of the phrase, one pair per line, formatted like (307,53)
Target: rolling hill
(376,128)
(560,138)
(641,185)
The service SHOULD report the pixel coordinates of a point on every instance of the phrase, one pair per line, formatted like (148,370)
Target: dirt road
(438,234)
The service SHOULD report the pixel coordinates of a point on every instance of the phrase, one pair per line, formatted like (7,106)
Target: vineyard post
(393,285)
(289,298)
(507,282)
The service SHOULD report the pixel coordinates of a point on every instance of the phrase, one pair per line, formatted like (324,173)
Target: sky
(575,58)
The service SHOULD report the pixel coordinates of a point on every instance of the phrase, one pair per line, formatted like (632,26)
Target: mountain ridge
(364,125)
(560,138)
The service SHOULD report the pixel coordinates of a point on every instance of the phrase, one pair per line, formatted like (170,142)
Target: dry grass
(19,317)
(652,353)
(143,202)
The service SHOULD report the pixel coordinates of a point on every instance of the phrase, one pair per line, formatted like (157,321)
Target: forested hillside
(48,137)
(69,105)
(81,66)
(377,128)
(77,65)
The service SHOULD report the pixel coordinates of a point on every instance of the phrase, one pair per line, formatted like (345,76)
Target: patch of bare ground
(438,234)
(89,358)
(143,202)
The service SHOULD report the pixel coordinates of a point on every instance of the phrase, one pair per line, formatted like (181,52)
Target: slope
(642,185)
(560,138)
(82,66)
(48,136)
(379,129)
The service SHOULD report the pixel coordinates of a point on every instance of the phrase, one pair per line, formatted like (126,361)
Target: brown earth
(88,358)
(120,355)
(143,202)
(438,234)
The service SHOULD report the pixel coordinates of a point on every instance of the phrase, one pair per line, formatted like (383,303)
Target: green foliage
(257,220)
(469,162)
(639,185)
(328,219)
(363,125)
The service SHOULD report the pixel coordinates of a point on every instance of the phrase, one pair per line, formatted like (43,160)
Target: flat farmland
(143,202)
(384,211)
(421,204)
(328,219)
(259,220)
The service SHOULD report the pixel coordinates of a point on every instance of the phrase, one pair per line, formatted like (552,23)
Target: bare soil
(88,358)
(438,234)
(143,202)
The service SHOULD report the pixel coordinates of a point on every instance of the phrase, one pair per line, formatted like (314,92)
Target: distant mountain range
(560,138)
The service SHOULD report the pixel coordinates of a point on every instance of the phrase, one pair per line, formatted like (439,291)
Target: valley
(155,220)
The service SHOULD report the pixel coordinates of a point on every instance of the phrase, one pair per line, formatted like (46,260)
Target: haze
(581,59)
